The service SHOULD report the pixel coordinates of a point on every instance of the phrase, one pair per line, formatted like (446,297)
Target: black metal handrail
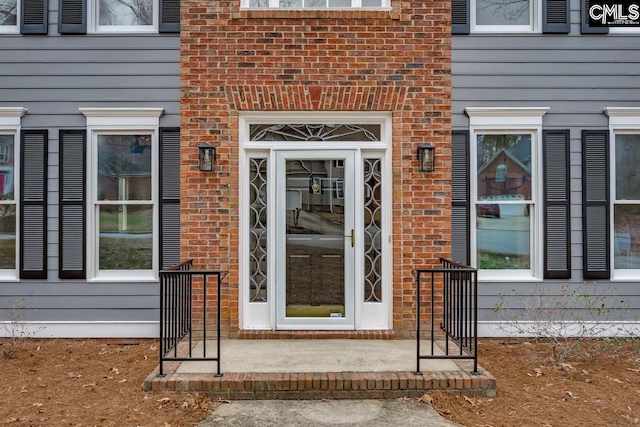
(459,319)
(177,306)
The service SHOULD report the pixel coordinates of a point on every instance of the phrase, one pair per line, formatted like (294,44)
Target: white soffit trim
(501,116)
(623,116)
(10,116)
(119,117)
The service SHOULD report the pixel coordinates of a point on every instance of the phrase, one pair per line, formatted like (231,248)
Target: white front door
(315,239)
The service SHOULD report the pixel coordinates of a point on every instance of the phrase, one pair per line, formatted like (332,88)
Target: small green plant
(14,330)
(574,324)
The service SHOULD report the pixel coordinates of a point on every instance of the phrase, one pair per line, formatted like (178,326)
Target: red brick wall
(361,60)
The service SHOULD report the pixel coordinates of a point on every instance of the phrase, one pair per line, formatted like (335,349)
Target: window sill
(345,13)
(124,279)
(512,277)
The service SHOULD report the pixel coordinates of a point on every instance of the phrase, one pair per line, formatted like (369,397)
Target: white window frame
(95,27)
(622,120)
(13,29)
(368,315)
(102,121)
(355,4)
(535,19)
(10,120)
(510,120)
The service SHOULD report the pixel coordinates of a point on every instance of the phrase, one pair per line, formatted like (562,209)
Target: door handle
(353,237)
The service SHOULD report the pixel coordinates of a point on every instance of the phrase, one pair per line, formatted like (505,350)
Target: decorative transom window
(122,193)
(505,191)
(315,4)
(624,126)
(123,15)
(505,15)
(9,13)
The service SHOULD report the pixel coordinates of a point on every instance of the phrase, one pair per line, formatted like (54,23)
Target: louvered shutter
(169,16)
(460,22)
(72,16)
(460,204)
(72,232)
(584,21)
(33,206)
(34,17)
(555,17)
(595,203)
(557,244)
(170,197)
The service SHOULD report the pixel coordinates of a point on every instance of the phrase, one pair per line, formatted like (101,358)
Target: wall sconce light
(426,157)
(207,157)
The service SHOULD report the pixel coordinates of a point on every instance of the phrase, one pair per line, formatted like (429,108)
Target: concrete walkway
(294,413)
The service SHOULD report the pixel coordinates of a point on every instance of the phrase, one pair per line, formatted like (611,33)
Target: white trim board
(525,329)
(84,329)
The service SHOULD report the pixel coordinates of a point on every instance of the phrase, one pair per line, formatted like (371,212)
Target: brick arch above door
(314,98)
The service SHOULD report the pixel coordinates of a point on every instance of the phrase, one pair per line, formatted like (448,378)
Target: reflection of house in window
(4,153)
(507,172)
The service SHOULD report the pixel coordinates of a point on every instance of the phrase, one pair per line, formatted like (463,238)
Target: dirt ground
(93,382)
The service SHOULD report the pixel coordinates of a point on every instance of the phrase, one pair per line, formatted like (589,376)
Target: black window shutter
(72,232)
(584,21)
(460,204)
(169,197)
(169,16)
(72,16)
(33,206)
(557,205)
(595,203)
(460,22)
(555,15)
(34,17)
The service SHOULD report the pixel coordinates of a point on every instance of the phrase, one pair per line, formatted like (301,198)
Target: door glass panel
(258,230)
(372,231)
(315,238)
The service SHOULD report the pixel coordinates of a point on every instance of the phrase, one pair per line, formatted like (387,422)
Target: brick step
(320,385)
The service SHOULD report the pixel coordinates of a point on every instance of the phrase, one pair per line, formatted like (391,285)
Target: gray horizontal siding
(577,76)
(52,77)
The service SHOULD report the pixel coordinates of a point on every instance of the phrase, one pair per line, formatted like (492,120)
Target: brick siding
(395,61)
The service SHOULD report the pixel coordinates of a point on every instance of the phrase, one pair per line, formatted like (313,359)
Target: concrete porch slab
(333,355)
(319,369)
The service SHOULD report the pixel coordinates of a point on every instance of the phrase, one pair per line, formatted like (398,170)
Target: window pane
(339,3)
(124,167)
(503,235)
(503,12)
(290,3)
(7,236)
(126,237)
(626,245)
(125,12)
(259,3)
(8,12)
(7,164)
(504,167)
(627,161)
(371,3)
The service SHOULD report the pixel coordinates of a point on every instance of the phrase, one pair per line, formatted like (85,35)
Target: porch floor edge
(321,385)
